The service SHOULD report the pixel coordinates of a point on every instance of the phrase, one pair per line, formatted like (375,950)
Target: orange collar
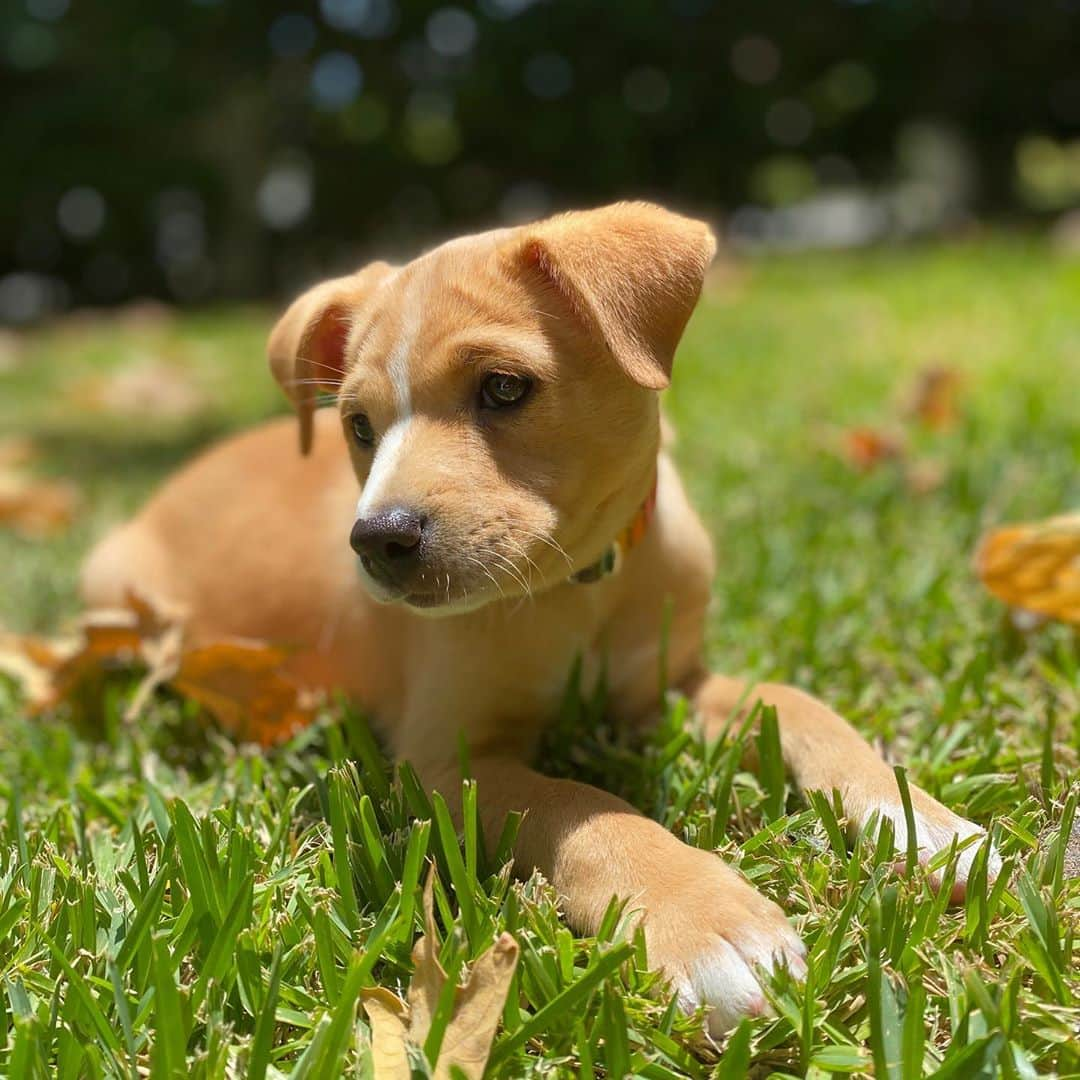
(629,536)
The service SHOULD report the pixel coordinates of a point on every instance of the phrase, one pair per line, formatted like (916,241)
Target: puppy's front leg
(824,752)
(705,927)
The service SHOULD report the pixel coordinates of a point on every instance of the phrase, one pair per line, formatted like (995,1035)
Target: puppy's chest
(505,675)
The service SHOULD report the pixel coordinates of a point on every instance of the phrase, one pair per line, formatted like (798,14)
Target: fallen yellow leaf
(1035,566)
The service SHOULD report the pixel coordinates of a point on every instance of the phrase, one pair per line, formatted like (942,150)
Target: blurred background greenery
(200,150)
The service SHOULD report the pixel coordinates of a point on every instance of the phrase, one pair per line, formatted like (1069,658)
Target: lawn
(172,902)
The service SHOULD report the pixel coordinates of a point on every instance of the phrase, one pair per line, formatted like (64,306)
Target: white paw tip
(933,837)
(724,977)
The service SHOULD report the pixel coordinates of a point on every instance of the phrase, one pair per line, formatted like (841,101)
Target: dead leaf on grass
(865,448)
(17,663)
(925,475)
(16,451)
(34,507)
(53,669)
(243,684)
(388,1016)
(149,388)
(934,400)
(475,1017)
(1035,566)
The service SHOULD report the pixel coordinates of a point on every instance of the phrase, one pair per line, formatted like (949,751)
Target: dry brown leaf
(245,687)
(52,669)
(147,388)
(33,507)
(1035,566)
(477,1008)
(934,398)
(468,1038)
(16,451)
(429,978)
(248,686)
(924,476)
(388,1016)
(162,630)
(17,663)
(865,448)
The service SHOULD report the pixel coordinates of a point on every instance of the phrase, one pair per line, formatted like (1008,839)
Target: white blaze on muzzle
(392,445)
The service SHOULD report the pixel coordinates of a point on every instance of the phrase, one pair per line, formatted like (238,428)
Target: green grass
(173,902)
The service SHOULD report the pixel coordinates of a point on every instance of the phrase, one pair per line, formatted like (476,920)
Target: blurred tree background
(198,150)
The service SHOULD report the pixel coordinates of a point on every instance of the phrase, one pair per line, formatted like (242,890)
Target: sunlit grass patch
(170,901)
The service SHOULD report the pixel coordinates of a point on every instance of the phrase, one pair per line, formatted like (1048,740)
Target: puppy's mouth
(426,589)
(425,601)
(467,583)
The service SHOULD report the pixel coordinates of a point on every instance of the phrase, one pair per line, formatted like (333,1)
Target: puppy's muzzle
(390,544)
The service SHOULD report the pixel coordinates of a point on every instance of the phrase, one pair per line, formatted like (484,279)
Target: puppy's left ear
(307,345)
(632,274)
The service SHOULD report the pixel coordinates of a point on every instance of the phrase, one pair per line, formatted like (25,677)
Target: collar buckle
(631,535)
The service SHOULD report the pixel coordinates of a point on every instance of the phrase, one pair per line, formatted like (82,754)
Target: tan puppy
(498,401)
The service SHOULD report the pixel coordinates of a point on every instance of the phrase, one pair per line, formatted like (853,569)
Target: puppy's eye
(362,430)
(502,389)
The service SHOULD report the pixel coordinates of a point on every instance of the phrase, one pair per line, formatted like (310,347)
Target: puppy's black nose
(388,540)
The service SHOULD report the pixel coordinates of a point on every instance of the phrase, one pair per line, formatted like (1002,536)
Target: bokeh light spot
(80,213)
(430,133)
(283,198)
(31,46)
(292,34)
(1048,171)
(336,80)
(180,235)
(345,14)
(505,9)
(27,297)
(850,86)
(363,18)
(782,179)
(451,32)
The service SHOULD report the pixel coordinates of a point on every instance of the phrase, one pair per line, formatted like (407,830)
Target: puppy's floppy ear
(307,345)
(631,272)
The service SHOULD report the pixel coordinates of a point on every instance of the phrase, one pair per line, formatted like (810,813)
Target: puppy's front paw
(710,932)
(936,827)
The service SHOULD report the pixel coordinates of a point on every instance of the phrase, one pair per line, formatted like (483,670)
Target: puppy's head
(498,396)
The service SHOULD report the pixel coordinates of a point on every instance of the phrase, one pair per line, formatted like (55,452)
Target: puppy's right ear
(631,273)
(307,345)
